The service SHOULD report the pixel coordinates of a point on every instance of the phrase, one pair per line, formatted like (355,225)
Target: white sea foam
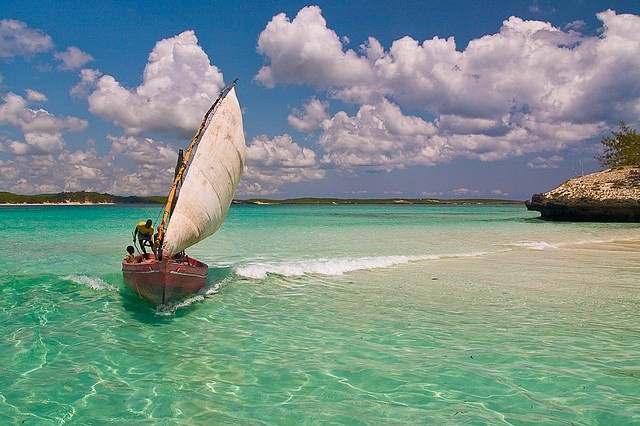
(533,245)
(170,308)
(616,240)
(91,282)
(337,266)
(211,290)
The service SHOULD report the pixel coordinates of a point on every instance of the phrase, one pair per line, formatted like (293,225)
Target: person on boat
(144,232)
(180,257)
(129,257)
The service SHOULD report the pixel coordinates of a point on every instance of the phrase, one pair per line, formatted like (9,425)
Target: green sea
(324,315)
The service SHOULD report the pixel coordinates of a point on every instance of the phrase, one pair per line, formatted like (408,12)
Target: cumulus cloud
(42,131)
(65,171)
(42,152)
(35,96)
(382,137)
(133,166)
(87,83)
(72,59)
(23,174)
(529,88)
(270,163)
(141,166)
(308,120)
(16,39)
(178,86)
(306,51)
(575,25)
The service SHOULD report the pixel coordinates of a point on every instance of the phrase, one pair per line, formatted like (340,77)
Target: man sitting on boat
(144,232)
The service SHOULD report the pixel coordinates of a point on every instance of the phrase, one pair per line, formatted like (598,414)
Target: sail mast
(180,169)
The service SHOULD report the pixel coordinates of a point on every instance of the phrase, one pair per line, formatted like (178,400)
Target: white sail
(211,179)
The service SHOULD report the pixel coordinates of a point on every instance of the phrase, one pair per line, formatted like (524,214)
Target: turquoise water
(352,315)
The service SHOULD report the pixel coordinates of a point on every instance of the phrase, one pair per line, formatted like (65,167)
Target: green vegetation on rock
(621,149)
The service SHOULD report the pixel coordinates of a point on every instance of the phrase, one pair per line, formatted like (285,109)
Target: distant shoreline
(75,198)
(387,201)
(61,204)
(82,198)
(291,201)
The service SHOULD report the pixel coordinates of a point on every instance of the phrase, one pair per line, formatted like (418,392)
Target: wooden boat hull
(159,281)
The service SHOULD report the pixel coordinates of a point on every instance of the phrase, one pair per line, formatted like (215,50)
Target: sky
(349,99)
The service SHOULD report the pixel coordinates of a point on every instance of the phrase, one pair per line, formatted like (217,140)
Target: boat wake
(91,282)
(333,267)
(169,309)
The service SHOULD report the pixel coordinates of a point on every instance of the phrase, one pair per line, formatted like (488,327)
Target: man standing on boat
(144,232)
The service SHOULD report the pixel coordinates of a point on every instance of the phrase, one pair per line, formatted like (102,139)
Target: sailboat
(199,199)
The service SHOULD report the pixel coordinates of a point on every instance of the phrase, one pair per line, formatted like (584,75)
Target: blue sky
(376,99)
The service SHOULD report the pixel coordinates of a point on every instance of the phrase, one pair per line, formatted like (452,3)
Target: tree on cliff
(622,148)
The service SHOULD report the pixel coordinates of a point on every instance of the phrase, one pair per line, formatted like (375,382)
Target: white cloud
(575,25)
(270,163)
(23,174)
(73,58)
(466,192)
(85,170)
(306,51)
(42,131)
(179,84)
(141,166)
(541,9)
(382,137)
(144,151)
(552,162)
(88,80)
(314,114)
(529,88)
(16,39)
(35,96)
(133,166)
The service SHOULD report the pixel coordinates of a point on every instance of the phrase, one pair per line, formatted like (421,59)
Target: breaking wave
(91,282)
(533,245)
(337,266)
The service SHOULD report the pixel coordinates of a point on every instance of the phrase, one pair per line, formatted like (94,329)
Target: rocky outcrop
(609,196)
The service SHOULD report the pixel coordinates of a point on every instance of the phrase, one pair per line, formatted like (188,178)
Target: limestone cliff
(612,195)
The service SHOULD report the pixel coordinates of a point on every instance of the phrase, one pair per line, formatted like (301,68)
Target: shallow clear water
(325,315)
